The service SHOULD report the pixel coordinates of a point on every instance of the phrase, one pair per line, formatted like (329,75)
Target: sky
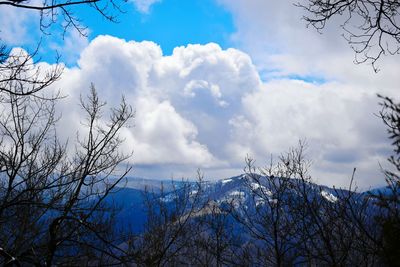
(214,81)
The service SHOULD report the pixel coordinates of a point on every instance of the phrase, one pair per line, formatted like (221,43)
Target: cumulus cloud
(203,106)
(335,115)
(276,37)
(336,120)
(162,134)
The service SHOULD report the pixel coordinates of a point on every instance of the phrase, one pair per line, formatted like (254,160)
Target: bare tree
(19,75)
(169,227)
(292,221)
(52,202)
(62,11)
(372,28)
(268,217)
(52,208)
(185,227)
(389,201)
(390,115)
(218,240)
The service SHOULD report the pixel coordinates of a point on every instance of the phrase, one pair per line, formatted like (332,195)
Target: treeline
(278,218)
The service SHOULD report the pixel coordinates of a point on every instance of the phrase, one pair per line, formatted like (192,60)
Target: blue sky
(215,80)
(170,23)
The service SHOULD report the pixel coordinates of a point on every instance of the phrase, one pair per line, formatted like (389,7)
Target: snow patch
(225,181)
(255,186)
(263,189)
(259,201)
(169,198)
(237,194)
(328,196)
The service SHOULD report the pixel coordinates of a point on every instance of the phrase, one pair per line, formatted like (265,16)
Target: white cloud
(71,47)
(144,5)
(13,22)
(20,27)
(206,107)
(161,134)
(336,120)
(336,117)
(276,37)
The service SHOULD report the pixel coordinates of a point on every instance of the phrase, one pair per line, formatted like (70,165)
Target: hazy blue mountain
(231,190)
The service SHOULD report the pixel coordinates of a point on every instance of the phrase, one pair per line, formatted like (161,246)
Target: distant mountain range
(235,190)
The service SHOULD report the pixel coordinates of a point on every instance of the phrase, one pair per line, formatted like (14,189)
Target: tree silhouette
(372,28)
(52,208)
(62,11)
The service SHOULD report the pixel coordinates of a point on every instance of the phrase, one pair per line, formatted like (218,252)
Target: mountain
(152,185)
(238,191)
(252,218)
(131,209)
